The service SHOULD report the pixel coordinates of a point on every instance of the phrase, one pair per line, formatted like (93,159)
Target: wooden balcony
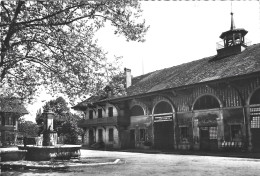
(105,121)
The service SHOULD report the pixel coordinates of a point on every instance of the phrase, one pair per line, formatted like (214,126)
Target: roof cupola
(234,36)
(233,41)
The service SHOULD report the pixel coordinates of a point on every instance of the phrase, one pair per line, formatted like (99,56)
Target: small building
(208,104)
(102,122)
(11,109)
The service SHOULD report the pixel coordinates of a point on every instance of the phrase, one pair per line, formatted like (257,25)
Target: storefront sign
(162,118)
(207,120)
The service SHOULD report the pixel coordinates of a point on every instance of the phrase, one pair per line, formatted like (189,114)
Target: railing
(247,42)
(98,121)
(220,44)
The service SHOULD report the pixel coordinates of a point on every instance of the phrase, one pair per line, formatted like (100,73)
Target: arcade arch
(163,125)
(206,102)
(136,110)
(205,122)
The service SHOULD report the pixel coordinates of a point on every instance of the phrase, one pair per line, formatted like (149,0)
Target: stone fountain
(46,147)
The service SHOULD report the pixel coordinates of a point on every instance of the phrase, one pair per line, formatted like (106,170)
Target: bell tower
(233,41)
(233,36)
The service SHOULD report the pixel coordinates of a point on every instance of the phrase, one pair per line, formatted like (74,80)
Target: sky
(180,32)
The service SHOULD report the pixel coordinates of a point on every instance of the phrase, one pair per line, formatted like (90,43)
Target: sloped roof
(12,105)
(198,71)
(86,102)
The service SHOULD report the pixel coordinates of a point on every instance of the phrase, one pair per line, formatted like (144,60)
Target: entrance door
(100,135)
(132,138)
(204,138)
(91,137)
(163,135)
(256,139)
(208,138)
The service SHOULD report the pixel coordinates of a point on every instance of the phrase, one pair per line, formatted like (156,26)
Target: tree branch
(10,33)
(3,5)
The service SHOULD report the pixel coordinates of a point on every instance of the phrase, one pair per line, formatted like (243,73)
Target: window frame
(100,113)
(8,121)
(110,111)
(142,134)
(111,134)
(90,115)
(184,137)
(213,133)
(232,134)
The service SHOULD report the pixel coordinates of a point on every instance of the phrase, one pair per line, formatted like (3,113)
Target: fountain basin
(44,153)
(12,155)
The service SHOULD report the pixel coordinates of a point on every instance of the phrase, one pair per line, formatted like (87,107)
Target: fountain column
(49,135)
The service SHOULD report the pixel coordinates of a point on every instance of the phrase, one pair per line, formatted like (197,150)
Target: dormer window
(100,113)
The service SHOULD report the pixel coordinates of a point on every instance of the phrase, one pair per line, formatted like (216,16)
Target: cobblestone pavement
(133,164)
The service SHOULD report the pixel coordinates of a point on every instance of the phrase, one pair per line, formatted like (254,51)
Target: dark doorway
(256,139)
(163,135)
(132,138)
(204,138)
(91,137)
(208,138)
(100,135)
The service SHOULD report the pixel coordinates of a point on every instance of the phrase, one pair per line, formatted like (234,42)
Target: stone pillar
(220,131)
(248,125)
(49,136)
(175,146)
(48,120)
(196,143)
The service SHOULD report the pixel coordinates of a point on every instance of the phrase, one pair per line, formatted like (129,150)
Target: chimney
(128,77)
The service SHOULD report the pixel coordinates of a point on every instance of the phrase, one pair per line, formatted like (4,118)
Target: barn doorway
(207,121)
(132,138)
(163,126)
(208,138)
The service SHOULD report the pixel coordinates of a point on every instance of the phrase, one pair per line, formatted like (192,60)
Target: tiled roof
(86,102)
(198,71)
(12,105)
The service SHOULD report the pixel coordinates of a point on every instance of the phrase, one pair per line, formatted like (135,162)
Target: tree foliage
(27,128)
(52,43)
(70,129)
(116,87)
(65,122)
(60,109)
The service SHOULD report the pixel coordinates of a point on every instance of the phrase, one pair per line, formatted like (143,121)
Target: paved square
(133,164)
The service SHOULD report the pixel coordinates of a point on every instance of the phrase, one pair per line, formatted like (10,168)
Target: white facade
(105,125)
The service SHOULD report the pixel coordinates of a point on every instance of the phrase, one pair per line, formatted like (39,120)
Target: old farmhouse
(208,104)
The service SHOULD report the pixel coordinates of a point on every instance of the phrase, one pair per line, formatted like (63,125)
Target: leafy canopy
(65,122)
(59,107)
(27,128)
(52,43)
